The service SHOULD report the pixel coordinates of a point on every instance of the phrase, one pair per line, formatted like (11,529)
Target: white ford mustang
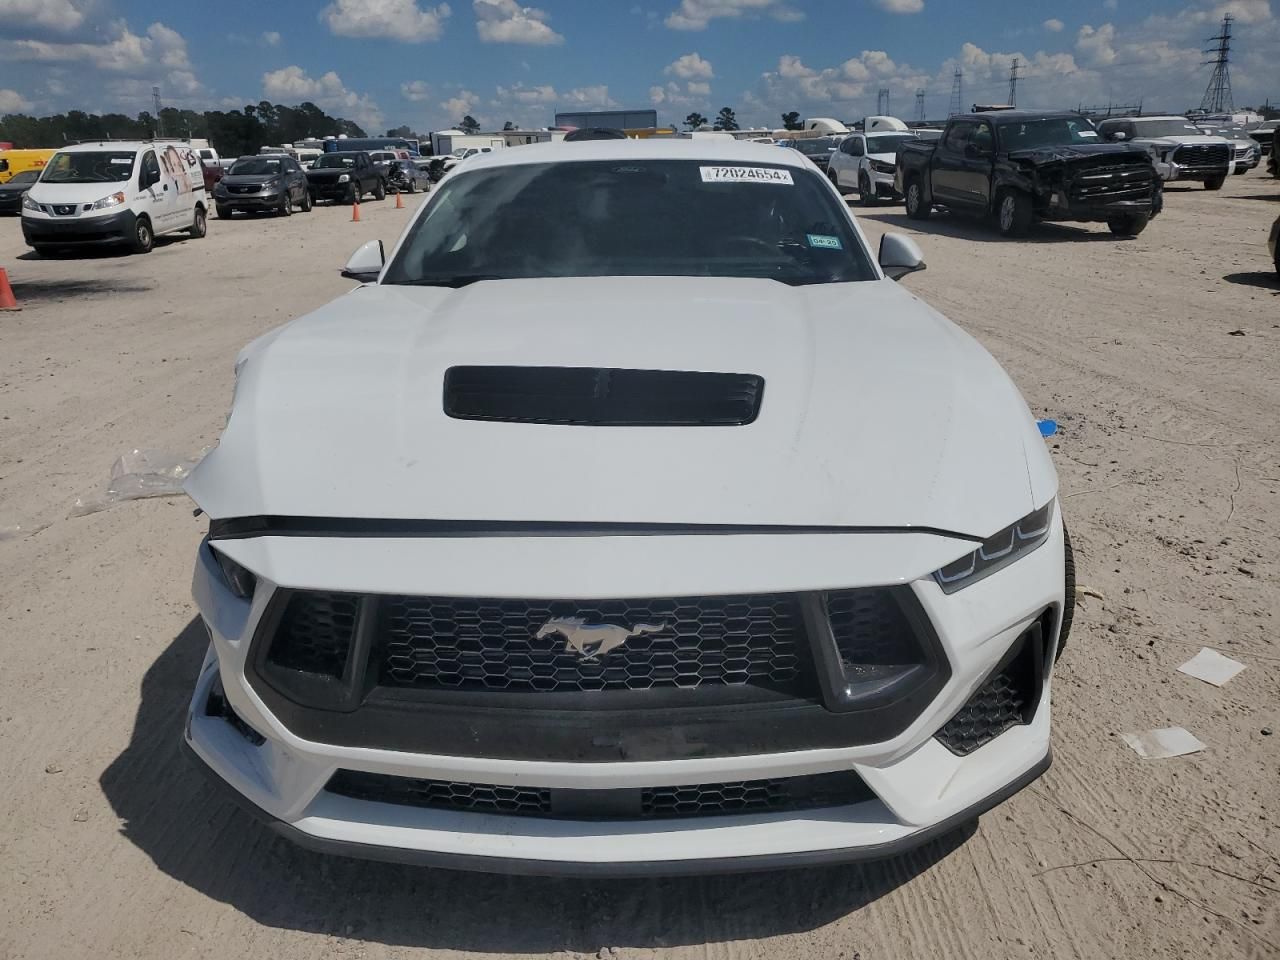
(631,518)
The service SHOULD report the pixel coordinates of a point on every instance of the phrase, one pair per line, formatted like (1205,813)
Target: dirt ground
(1159,358)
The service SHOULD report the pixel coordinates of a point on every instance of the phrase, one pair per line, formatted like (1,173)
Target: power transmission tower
(882,102)
(920,105)
(155,95)
(1217,96)
(1014,77)
(957,93)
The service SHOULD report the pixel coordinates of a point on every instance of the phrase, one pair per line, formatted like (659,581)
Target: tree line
(727,120)
(232,133)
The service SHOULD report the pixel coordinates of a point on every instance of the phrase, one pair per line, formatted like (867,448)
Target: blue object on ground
(1047,427)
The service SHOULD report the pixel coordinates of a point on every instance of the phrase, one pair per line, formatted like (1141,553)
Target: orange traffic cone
(355,211)
(7,300)
(399,201)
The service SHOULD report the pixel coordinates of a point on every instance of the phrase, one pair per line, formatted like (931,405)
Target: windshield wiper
(455,281)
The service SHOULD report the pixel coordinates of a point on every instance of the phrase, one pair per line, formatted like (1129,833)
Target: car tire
(379,190)
(224,212)
(45,250)
(1215,183)
(1241,173)
(353,194)
(307,202)
(1013,214)
(286,205)
(200,226)
(917,208)
(1130,225)
(413,186)
(144,237)
(1069,593)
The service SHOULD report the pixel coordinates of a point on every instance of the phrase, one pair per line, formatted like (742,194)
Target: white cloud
(1097,45)
(416,91)
(388,19)
(697,14)
(1054,25)
(505,21)
(456,107)
(520,94)
(60,15)
(690,67)
(11,101)
(127,52)
(271,38)
(901,6)
(292,84)
(1110,4)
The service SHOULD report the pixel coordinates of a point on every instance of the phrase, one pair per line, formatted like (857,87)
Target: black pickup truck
(345,176)
(1019,166)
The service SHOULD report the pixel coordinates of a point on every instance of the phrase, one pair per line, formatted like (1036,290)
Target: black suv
(345,177)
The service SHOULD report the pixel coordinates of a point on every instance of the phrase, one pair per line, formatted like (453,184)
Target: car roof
(95,146)
(711,151)
(1003,116)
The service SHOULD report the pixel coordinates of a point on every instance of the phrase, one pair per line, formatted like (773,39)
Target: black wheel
(44,250)
(224,212)
(866,192)
(413,186)
(1013,214)
(1241,171)
(1069,594)
(1157,200)
(379,190)
(917,208)
(286,206)
(144,237)
(200,226)
(307,202)
(1215,183)
(1129,226)
(353,193)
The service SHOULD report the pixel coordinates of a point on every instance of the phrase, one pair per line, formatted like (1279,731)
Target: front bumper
(252,201)
(884,185)
(918,788)
(79,231)
(331,191)
(1170,171)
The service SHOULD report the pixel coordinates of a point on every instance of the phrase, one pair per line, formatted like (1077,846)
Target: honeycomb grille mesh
(999,705)
(525,645)
(315,633)
(870,630)
(646,803)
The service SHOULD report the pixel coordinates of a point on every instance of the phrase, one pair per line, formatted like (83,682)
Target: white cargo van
(116,192)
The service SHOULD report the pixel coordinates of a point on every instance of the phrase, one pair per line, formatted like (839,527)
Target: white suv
(867,162)
(1179,149)
(521,559)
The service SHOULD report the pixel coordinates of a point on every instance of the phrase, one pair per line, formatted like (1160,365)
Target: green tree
(725,120)
(508,125)
(695,120)
(469,124)
(791,121)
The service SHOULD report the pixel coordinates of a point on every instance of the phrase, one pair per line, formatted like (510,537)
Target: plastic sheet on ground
(10,530)
(1163,743)
(1211,667)
(139,474)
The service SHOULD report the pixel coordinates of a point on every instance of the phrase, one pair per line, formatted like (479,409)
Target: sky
(426,63)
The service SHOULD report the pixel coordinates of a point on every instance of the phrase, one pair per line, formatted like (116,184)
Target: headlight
(344,178)
(270,185)
(112,201)
(29,204)
(879,166)
(1014,541)
(240,580)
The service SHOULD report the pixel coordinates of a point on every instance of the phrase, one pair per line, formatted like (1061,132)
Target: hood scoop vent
(602,396)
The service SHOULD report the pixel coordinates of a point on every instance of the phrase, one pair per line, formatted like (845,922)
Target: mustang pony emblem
(592,640)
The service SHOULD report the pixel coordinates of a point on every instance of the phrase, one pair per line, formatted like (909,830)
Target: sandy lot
(112,846)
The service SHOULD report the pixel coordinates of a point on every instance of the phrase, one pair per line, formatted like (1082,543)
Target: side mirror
(366,263)
(899,256)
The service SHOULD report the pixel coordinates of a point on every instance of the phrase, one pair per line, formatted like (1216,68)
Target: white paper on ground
(1163,743)
(1211,667)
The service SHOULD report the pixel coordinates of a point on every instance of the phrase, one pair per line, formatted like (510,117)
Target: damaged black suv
(1019,166)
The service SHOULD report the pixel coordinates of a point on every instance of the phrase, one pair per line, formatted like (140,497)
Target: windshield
(889,144)
(258,166)
(334,161)
(1054,132)
(26,176)
(1166,128)
(815,148)
(100,166)
(649,218)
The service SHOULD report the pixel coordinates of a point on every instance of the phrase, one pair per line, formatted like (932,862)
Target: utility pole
(155,95)
(1014,76)
(920,105)
(882,102)
(1217,96)
(957,92)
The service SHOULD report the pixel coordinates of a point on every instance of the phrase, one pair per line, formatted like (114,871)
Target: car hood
(248,179)
(876,412)
(1192,141)
(77,193)
(1077,151)
(10,187)
(328,172)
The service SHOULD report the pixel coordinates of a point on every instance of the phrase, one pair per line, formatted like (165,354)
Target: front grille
(240,188)
(870,630)
(571,646)
(602,396)
(315,633)
(1243,153)
(1109,183)
(786,794)
(1007,699)
(1203,155)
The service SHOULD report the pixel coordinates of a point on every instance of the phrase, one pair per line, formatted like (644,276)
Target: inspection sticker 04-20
(746,175)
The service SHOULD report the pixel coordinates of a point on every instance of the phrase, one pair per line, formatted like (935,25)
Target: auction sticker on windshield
(746,175)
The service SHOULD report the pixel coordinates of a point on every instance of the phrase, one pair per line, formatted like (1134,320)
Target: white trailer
(455,141)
